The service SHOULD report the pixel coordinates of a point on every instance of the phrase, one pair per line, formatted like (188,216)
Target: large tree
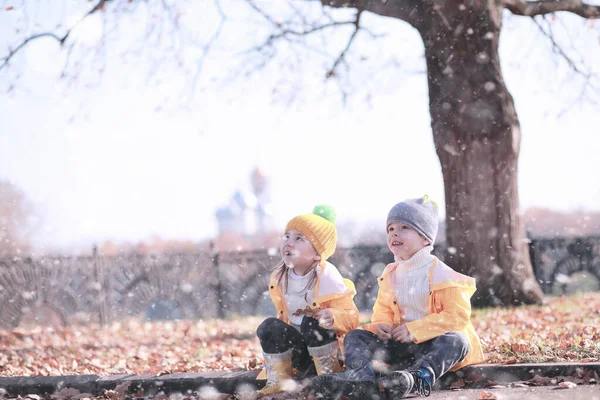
(475,126)
(476,133)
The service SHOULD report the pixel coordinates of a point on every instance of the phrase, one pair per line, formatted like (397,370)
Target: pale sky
(117,156)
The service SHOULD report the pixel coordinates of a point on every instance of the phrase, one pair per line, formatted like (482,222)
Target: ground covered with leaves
(566,329)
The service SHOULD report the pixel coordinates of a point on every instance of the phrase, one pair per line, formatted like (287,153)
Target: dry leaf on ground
(457,384)
(566,385)
(565,329)
(487,395)
(540,381)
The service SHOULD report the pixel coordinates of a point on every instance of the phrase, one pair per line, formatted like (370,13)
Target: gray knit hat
(420,214)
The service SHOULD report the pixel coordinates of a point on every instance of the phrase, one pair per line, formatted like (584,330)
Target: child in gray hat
(421,323)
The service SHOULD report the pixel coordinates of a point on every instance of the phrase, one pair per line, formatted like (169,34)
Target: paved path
(233,381)
(581,392)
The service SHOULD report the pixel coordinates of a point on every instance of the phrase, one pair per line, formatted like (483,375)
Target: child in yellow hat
(314,303)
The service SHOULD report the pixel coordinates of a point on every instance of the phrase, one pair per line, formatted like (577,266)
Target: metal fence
(198,286)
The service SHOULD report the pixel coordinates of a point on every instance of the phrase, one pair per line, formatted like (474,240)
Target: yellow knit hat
(318,228)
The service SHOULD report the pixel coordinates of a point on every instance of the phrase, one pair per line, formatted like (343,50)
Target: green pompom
(435,204)
(326,211)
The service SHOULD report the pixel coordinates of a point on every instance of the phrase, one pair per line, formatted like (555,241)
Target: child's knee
(352,335)
(266,327)
(357,334)
(356,338)
(313,335)
(308,325)
(458,341)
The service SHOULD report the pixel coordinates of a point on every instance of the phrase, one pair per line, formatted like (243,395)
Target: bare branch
(69,52)
(298,12)
(406,10)
(581,97)
(282,31)
(290,30)
(263,13)
(340,58)
(542,7)
(29,39)
(559,50)
(207,48)
(285,33)
(172,15)
(588,77)
(59,39)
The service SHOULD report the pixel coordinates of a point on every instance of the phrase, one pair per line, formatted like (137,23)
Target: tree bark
(477,137)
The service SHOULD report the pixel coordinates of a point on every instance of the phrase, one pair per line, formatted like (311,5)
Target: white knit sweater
(412,284)
(297,297)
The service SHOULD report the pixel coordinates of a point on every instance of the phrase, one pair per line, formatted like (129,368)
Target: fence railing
(197,286)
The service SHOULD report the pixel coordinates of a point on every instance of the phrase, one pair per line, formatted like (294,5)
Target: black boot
(397,384)
(357,382)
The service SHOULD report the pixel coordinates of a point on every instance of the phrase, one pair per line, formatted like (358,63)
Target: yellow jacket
(449,308)
(331,291)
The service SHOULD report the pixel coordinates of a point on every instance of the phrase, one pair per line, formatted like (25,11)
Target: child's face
(404,241)
(297,251)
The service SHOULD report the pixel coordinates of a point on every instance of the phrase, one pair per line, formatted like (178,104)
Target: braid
(313,280)
(282,270)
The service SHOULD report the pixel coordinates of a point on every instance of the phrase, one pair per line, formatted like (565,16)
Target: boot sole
(330,387)
(393,386)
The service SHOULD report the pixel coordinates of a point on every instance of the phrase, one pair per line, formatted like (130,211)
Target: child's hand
(401,334)
(384,332)
(309,312)
(325,318)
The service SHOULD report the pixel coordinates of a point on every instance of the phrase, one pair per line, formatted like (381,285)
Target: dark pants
(276,336)
(437,355)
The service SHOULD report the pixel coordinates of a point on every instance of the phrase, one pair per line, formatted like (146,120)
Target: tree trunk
(477,138)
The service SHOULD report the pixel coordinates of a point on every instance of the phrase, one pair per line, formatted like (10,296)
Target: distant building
(248,212)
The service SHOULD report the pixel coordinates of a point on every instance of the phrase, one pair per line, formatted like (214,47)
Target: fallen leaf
(539,381)
(110,394)
(494,385)
(66,394)
(553,332)
(252,363)
(487,395)
(122,389)
(566,385)
(474,378)
(457,384)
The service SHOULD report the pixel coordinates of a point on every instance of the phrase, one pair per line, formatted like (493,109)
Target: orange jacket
(449,308)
